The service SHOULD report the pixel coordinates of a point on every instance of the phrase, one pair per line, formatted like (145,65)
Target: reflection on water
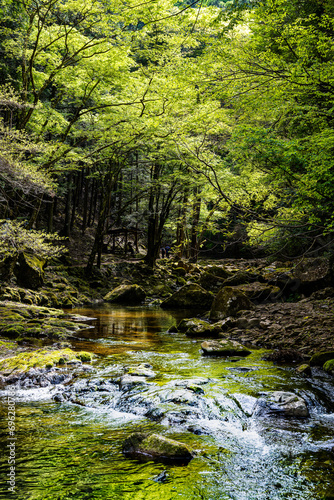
(67,451)
(116,328)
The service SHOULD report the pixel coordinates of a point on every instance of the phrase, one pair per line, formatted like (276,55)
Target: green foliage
(15,239)
(187,115)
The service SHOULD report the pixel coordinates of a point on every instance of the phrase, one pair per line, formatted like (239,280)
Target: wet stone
(130,381)
(143,370)
(224,348)
(156,447)
(282,404)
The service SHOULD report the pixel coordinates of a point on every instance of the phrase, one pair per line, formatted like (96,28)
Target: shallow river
(70,451)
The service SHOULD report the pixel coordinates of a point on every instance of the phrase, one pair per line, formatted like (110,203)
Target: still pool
(73,449)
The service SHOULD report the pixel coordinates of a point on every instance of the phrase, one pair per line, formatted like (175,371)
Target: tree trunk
(194,240)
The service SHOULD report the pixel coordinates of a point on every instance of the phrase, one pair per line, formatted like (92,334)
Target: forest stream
(70,436)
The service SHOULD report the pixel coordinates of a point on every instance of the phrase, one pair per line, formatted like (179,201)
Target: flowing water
(73,449)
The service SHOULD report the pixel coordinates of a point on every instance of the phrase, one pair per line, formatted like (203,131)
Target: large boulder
(156,447)
(189,297)
(195,327)
(126,294)
(282,404)
(224,348)
(228,302)
(29,271)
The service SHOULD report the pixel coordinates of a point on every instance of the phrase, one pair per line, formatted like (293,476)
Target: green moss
(319,358)
(40,358)
(13,329)
(304,369)
(5,344)
(84,356)
(35,321)
(329,366)
(157,447)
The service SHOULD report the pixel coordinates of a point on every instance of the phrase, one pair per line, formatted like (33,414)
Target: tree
(273,71)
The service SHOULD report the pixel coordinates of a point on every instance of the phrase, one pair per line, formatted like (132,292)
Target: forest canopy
(193,123)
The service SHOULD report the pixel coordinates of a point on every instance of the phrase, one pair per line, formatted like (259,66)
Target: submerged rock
(156,447)
(228,302)
(189,297)
(283,404)
(130,381)
(224,348)
(126,294)
(143,370)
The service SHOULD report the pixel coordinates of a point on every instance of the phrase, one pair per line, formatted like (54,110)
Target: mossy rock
(40,358)
(210,282)
(329,366)
(179,271)
(10,294)
(84,356)
(228,302)
(29,271)
(126,294)
(34,321)
(189,297)
(320,358)
(195,327)
(224,348)
(156,447)
(304,369)
(13,330)
(6,345)
(180,281)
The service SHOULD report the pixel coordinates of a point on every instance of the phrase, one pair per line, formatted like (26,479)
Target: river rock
(195,327)
(224,348)
(211,282)
(126,294)
(130,381)
(189,297)
(319,358)
(157,447)
(329,366)
(283,404)
(304,369)
(228,302)
(143,370)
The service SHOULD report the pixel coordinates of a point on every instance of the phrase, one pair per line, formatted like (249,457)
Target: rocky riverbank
(284,306)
